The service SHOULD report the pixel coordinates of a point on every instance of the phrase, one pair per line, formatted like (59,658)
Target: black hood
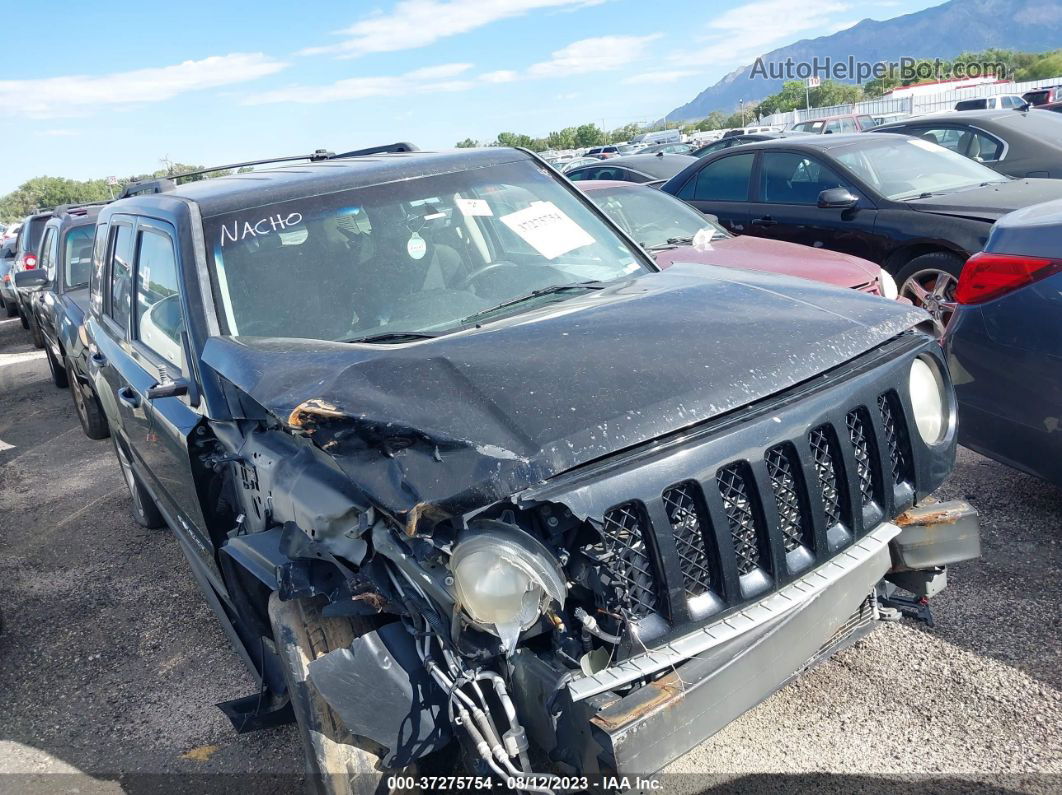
(478,415)
(991,202)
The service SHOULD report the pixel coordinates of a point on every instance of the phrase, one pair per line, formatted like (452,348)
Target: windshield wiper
(672,242)
(556,288)
(394,336)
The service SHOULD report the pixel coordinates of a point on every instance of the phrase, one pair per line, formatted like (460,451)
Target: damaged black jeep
(459,469)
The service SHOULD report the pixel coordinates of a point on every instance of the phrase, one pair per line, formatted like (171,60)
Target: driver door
(785,206)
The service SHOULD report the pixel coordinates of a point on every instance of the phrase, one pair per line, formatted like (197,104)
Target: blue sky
(92,90)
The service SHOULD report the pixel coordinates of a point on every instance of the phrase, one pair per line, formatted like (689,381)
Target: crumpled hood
(991,202)
(475,416)
(775,256)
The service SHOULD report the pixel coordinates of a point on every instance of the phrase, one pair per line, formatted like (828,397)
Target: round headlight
(928,400)
(504,579)
(888,285)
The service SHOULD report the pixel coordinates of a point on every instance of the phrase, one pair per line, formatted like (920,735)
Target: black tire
(10,308)
(929,280)
(145,512)
(57,371)
(23,321)
(35,332)
(335,762)
(89,411)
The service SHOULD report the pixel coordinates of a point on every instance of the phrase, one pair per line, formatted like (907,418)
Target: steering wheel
(465,282)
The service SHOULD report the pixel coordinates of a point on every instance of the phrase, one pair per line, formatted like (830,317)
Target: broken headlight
(504,579)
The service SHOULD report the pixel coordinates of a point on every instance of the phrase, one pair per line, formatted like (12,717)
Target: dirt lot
(111,663)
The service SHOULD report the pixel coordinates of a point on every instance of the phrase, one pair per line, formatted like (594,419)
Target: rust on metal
(312,411)
(655,694)
(933,514)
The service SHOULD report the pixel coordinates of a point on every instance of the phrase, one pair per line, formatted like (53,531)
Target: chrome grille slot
(624,553)
(828,469)
(735,487)
(689,525)
(783,468)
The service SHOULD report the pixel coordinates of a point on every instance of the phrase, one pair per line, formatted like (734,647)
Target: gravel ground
(111,663)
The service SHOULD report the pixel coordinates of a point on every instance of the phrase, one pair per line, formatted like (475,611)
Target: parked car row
(533,474)
(489,445)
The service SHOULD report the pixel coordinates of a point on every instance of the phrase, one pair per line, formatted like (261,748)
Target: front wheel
(11,308)
(335,763)
(929,281)
(22,319)
(145,511)
(58,372)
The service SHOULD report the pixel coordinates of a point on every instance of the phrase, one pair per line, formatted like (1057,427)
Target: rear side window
(726,179)
(77,257)
(121,275)
(99,258)
(159,321)
(46,258)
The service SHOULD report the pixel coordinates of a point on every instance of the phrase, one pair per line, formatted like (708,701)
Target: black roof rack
(168,183)
(74,207)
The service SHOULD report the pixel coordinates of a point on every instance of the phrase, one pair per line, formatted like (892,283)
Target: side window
(99,257)
(121,275)
(583,173)
(76,257)
(726,179)
(47,254)
(981,147)
(790,178)
(159,321)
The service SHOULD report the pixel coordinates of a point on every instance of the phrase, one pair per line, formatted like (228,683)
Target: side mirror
(31,280)
(837,198)
(167,389)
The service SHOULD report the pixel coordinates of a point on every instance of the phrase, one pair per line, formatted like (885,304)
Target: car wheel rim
(934,291)
(130,480)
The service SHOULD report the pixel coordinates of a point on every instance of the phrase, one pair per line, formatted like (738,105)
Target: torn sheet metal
(475,416)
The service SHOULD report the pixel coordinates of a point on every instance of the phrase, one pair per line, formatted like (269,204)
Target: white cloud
(444,77)
(746,31)
(599,54)
(417,23)
(654,78)
(76,94)
(61,133)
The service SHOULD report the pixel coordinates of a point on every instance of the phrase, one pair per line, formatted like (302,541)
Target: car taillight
(987,275)
(29,261)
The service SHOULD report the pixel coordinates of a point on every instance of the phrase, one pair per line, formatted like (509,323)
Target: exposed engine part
(470,712)
(590,625)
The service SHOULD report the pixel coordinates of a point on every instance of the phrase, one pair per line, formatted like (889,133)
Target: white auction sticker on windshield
(546,228)
(473,207)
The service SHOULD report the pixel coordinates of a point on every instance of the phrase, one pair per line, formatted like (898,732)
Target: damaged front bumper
(703,680)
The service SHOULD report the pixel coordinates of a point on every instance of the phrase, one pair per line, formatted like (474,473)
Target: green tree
(562,139)
(467,143)
(589,135)
(1050,65)
(514,139)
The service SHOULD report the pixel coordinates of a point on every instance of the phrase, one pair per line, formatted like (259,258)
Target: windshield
(653,218)
(910,168)
(77,256)
(416,256)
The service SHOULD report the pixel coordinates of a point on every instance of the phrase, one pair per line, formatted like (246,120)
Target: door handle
(98,359)
(765,221)
(128,398)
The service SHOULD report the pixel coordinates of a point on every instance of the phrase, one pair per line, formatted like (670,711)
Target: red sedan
(672,231)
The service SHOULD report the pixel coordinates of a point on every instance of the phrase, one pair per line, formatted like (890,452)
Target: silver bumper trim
(770,608)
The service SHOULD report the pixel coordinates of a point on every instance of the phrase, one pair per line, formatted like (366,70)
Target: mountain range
(942,31)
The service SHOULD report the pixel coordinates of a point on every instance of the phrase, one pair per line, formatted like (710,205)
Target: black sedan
(646,169)
(1004,345)
(730,141)
(1022,144)
(913,207)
